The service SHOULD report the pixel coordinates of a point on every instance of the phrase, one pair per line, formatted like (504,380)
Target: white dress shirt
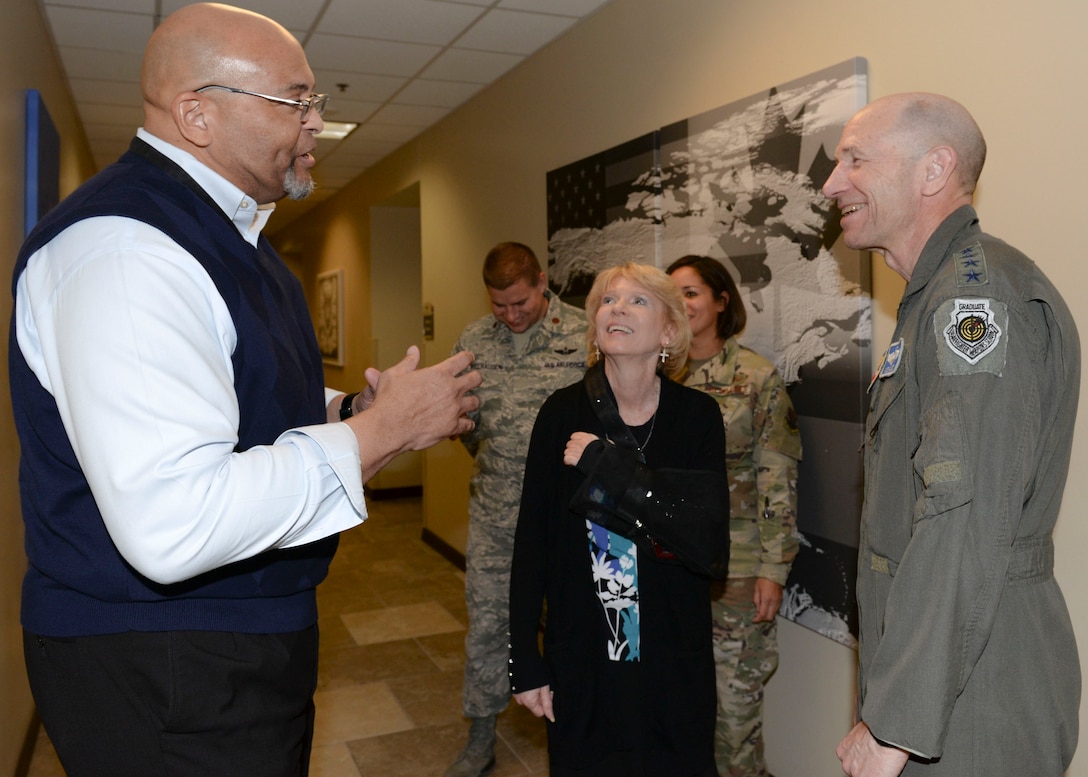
(153,418)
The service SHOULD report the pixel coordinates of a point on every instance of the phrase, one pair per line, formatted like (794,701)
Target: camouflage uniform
(763,447)
(514,387)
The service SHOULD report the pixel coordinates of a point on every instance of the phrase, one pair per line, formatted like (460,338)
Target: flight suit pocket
(942,462)
(884,400)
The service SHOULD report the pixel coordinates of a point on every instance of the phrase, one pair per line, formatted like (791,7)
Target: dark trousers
(177,704)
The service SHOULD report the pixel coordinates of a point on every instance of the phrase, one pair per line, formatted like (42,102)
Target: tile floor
(392,651)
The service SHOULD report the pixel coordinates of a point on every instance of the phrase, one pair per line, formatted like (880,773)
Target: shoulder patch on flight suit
(970,264)
(971,336)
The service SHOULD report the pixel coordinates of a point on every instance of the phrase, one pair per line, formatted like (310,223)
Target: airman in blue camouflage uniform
(532,345)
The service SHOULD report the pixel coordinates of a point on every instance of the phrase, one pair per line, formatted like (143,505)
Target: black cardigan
(664,706)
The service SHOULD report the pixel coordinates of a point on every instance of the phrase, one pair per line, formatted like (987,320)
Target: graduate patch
(973,332)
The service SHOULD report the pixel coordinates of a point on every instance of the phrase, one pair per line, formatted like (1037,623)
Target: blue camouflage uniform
(515,385)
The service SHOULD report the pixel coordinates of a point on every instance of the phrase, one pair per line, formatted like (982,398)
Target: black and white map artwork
(741,184)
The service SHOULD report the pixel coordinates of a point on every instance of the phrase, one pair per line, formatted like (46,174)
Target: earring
(597,350)
(664,354)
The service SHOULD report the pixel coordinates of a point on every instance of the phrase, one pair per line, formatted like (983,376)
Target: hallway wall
(26,61)
(640,64)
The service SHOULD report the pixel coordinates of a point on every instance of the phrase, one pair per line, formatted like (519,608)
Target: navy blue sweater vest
(77,583)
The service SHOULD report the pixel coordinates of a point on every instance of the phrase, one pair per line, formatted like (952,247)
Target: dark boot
(478,757)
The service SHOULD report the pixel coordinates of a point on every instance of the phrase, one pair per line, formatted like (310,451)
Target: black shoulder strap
(604,406)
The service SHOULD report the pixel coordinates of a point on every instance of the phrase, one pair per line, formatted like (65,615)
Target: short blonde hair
(660,286)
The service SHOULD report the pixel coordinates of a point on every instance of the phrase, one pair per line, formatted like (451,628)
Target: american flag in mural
(585,196)
(576,196)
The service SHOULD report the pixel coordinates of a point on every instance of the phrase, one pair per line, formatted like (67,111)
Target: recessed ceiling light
(336,130)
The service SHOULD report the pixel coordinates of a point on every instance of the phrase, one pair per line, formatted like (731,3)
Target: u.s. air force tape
(972,335)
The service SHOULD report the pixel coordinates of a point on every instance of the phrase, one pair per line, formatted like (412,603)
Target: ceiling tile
(580,8)
(448,94)
(357,145)
(410,21)
(360,87)
(360,55)
(514,32)
(296,15)
(340,109)
(409,115)
(100,29)
(386,132)
(481,67)
(132,6)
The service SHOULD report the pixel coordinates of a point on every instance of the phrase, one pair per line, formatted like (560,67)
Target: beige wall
(26,61)
(395,314)
(639,64)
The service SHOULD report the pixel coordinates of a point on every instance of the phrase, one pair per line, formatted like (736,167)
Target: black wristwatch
(346,410)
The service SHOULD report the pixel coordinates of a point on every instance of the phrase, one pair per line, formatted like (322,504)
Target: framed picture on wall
(330,316)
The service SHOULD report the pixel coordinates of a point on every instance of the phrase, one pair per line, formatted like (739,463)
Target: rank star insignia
(970,264)
(972,333)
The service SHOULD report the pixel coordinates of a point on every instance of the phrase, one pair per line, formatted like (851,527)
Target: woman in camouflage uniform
(762,450)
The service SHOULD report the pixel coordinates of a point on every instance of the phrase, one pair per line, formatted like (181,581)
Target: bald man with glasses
(185,472)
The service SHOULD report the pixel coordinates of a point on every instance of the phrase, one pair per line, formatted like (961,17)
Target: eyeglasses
(315,102)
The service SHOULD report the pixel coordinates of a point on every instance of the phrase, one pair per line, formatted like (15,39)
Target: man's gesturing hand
(414,408)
